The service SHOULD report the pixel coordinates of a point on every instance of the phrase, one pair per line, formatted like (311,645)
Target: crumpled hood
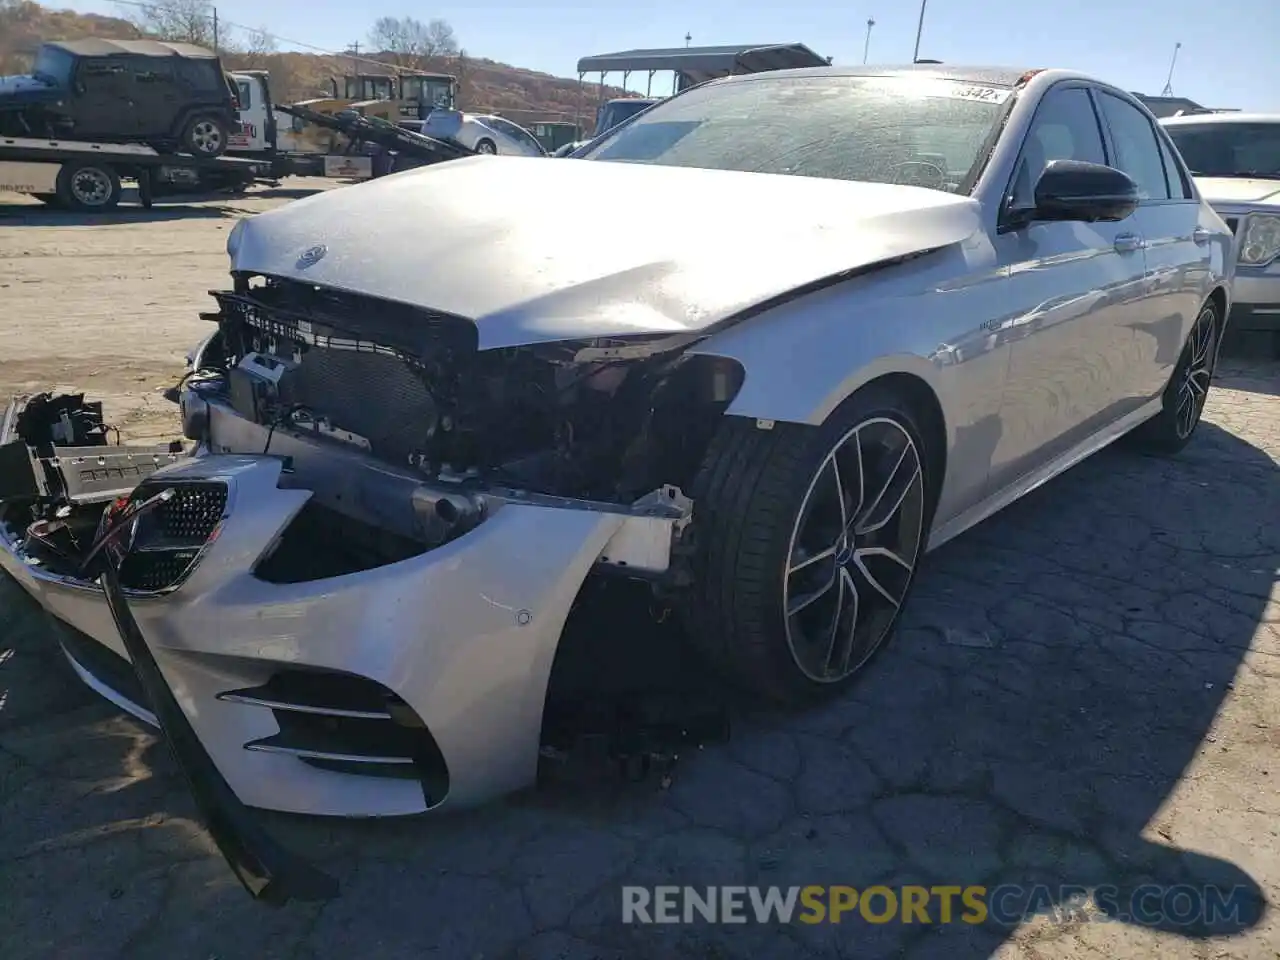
(1227,190)
(510,242)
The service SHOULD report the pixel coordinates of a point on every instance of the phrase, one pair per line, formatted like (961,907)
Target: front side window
(244,94)
(896,129)
(1229,149)
(1065,127)
(1137,151)
(54,65)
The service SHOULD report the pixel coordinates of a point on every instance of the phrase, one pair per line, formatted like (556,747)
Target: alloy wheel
(1193,386)
(854,549)
(207,137)
(91,187)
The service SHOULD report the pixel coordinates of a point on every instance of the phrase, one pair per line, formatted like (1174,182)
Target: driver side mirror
(1075,190)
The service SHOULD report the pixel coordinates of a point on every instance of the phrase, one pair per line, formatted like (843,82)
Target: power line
(265,33)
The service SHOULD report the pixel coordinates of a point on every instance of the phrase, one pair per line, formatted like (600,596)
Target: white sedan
(483,133)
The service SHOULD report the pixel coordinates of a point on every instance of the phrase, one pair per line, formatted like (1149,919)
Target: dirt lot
(1087,692)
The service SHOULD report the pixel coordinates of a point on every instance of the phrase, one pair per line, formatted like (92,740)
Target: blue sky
(1228,56)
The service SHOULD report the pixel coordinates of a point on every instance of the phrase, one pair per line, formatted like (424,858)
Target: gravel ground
(1086,691)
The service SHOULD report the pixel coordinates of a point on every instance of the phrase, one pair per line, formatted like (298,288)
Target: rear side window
(152,71)
(201,75)
(244,94)
(1179,188)
(1137,151)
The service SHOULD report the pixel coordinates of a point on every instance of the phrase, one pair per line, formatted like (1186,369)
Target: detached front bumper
(389,691)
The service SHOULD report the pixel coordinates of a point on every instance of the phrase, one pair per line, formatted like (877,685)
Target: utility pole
(1168,84)
(919,30)
(215,29)
(355,57)
(866,47)
(688,39)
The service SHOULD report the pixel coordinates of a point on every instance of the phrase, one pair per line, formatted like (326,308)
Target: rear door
(156,95)
(1070,298)
(1179,258)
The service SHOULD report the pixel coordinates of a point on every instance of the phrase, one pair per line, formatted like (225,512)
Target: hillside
(485,86)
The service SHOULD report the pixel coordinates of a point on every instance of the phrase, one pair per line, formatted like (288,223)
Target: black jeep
(171,96)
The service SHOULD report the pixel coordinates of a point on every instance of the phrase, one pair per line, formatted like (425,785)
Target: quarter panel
(930,317)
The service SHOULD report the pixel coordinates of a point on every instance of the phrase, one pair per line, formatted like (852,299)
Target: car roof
(1232,117)
(989,76)
(96,47)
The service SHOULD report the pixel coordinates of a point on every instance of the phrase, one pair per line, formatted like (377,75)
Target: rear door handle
(1128,243)
(1201,236)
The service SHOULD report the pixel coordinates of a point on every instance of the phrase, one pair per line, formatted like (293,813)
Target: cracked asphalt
(1086,691)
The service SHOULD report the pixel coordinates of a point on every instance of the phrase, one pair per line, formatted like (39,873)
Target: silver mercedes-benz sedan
(838,317)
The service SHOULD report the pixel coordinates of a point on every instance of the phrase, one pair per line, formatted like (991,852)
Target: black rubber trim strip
(268,872)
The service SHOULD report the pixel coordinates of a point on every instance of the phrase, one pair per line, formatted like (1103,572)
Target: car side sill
(1036,478)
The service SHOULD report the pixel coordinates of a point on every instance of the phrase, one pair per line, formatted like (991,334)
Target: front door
(104,106)
(1178,256)
(1072,291)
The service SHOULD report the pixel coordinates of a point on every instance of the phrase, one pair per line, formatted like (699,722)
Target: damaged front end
(407,434)
(345,595)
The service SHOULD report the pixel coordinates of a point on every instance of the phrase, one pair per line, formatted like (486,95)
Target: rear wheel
(206,136)
(806,543)
(88,186)
(1188,389)
(486,146)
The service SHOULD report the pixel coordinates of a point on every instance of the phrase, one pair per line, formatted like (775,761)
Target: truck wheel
(206,136)
(88,186)
(806,542)
(486,146)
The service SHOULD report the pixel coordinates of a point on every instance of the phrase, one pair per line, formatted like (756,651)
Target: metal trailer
(694,65)
(87,175)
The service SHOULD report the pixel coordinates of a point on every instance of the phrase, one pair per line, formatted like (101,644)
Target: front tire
(88,187)
(806,543)
(1188,389)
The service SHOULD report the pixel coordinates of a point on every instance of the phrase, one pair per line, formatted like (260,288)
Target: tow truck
(88,175)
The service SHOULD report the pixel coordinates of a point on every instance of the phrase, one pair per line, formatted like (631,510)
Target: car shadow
(29,215)
(1060,668)
(191,206)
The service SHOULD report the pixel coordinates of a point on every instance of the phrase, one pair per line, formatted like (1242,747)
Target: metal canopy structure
(693,65)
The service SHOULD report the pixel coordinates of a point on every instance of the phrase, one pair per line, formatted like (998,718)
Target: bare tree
(188,21)
(257,48)
(410,42)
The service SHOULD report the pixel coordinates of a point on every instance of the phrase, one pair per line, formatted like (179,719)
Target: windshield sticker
(957,91)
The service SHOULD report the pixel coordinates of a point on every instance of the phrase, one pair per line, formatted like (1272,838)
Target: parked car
(171,96)
(1235,159)
(844,315)
(482,133)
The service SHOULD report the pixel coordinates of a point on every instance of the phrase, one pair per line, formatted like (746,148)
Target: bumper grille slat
(171,538)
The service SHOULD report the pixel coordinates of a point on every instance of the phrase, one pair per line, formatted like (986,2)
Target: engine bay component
(603,419)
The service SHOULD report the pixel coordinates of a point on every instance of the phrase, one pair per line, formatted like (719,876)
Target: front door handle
(1128,243)
(1201,236)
